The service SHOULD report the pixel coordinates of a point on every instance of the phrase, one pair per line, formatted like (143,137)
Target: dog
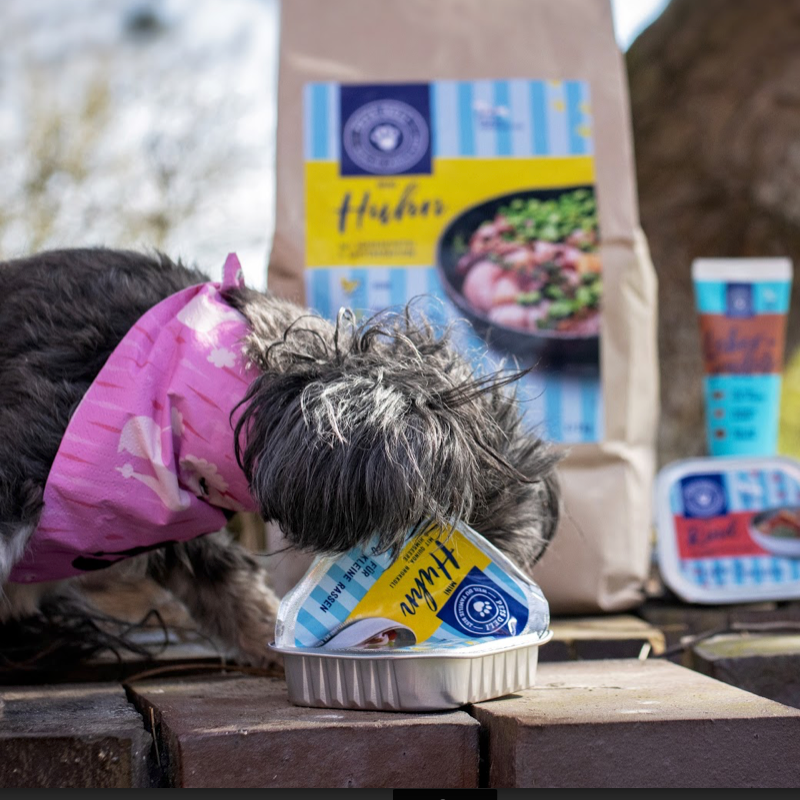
(341,431)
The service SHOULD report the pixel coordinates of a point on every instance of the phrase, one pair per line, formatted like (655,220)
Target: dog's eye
(204,486)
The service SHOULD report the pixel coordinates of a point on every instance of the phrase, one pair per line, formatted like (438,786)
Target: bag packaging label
(442,591)
(478,196)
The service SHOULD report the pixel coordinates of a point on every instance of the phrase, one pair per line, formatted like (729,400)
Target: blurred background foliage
(151,124)
(139,124)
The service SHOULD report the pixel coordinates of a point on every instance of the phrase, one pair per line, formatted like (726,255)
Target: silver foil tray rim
(372,680)
(467,651)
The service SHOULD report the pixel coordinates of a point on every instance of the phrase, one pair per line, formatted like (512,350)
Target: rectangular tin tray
(410,681)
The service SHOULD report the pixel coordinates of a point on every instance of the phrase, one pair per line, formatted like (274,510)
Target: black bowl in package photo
(524,270)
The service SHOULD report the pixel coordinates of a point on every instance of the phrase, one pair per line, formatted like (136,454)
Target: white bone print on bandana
(141,437)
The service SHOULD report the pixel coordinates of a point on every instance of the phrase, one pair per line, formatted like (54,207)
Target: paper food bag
(480,153)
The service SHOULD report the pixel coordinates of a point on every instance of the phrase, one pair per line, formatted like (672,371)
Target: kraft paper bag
(403,128)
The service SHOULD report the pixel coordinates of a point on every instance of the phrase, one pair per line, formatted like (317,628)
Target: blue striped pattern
(743,571)
(466,124)
(321,131)
(364,289)
(540,140)
(501,96)
(507,582)
(339,610)
(552,402)
(745,491)
(760,489)
(514,118)
(309,631)
(357,585)
(315,621)
(494,119)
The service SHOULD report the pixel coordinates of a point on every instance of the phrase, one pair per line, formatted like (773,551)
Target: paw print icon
(482,608)
(386,137)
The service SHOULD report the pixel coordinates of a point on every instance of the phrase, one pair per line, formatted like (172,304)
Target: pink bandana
(148,456)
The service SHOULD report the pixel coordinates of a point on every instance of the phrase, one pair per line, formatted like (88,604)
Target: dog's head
(354,430)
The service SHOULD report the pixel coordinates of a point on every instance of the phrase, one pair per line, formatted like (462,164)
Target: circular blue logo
(481,609)
(386,137)
(704,498)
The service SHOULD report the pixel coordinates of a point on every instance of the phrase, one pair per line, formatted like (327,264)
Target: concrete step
(765,663)
(68,736)
(678,620)
(610,636)
(242,732)
(632,723)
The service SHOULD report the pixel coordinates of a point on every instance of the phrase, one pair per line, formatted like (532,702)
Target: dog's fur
(348,430)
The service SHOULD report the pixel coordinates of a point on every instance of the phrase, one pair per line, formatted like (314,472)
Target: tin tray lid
(728,528)
(444,589)
(451,649)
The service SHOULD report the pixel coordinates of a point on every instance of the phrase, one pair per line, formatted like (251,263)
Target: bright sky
(631,17)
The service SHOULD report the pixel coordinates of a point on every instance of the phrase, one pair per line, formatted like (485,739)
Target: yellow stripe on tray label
(417,585)
(397,221)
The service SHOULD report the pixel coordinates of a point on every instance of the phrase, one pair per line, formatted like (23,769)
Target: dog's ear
(370,435)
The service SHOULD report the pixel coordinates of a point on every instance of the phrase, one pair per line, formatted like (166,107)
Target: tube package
(743,304)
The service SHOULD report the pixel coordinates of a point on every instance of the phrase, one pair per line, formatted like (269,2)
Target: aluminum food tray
(404,680)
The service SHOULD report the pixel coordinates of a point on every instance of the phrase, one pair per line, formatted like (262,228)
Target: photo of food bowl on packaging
(524,269)
(449,621)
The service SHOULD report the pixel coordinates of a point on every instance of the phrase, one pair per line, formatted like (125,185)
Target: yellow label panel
(418,584)
(397,221)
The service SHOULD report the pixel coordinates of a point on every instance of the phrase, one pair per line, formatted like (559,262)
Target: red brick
(767,664)
(678,620)
(637,724)
(84,736)
(243,732)
(608,636)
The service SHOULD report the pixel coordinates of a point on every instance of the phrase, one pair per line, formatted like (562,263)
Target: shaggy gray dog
(396,423)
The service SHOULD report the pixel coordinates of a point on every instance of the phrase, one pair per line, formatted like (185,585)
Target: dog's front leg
(14,539)
(20,508)
(225,591)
